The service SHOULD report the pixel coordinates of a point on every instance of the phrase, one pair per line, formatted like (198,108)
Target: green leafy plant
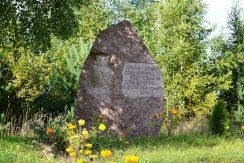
(52,132)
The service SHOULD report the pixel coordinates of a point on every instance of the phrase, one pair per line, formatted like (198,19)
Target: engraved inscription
(142,80)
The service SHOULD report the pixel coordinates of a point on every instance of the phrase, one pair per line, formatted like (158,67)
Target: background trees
(44,43)
(189,82)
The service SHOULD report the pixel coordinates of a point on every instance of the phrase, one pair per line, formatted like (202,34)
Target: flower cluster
(131,159)
(78,139)
(80,148)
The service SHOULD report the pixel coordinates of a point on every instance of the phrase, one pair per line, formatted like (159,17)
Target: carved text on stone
(142,80)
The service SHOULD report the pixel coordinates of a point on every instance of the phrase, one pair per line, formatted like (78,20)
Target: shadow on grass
(183,141)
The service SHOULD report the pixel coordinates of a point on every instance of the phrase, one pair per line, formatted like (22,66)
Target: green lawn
(193,148)
(20,150)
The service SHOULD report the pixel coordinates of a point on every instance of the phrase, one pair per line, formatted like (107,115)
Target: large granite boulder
(120,80)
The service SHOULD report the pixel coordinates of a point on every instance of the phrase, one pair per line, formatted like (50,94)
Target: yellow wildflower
(88,152)
(71,126)
(106,153)
(69,149)
(131,159)
(85,133)
(81,122)
(72,154)
(102,127)
(81,151)
(88,145)
(242,127)
(174,111)
(79,161)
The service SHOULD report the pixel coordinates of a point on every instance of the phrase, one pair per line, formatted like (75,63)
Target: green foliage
(239,113)
(144,15)
(219,120)
(30,24)
(188,85)
(31,70)
(234,49)
(52,132)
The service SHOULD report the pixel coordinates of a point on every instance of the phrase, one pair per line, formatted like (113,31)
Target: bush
(51,131)
(219,120)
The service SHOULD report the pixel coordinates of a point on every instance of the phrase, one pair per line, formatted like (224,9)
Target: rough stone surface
(121,80)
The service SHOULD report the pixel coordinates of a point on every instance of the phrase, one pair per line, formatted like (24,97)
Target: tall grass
(21,125)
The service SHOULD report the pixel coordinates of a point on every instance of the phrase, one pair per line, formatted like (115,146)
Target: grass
(20,150)
(188,148)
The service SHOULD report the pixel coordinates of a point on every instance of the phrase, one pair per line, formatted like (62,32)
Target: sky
(217,12)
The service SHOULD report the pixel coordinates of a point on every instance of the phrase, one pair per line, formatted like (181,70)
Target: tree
(28,29)
(31,23)
(230,51)
(190,85)
(235,95)
(219,120)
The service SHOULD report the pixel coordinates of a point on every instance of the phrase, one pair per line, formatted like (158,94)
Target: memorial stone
(121,81)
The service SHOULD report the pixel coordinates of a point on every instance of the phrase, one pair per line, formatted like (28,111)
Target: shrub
(51,131)
(219,120)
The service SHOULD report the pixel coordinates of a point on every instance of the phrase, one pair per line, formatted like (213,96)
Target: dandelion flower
(72,154)
(81,122)
(71,126)
(131,159)
(102,127)
(79,161)
(69,149)
(242,127)
(85,133)
(81,151)
(88,145)
(106,153)
(88,152)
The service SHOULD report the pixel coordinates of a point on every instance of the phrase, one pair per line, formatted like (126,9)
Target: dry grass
(21,125)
